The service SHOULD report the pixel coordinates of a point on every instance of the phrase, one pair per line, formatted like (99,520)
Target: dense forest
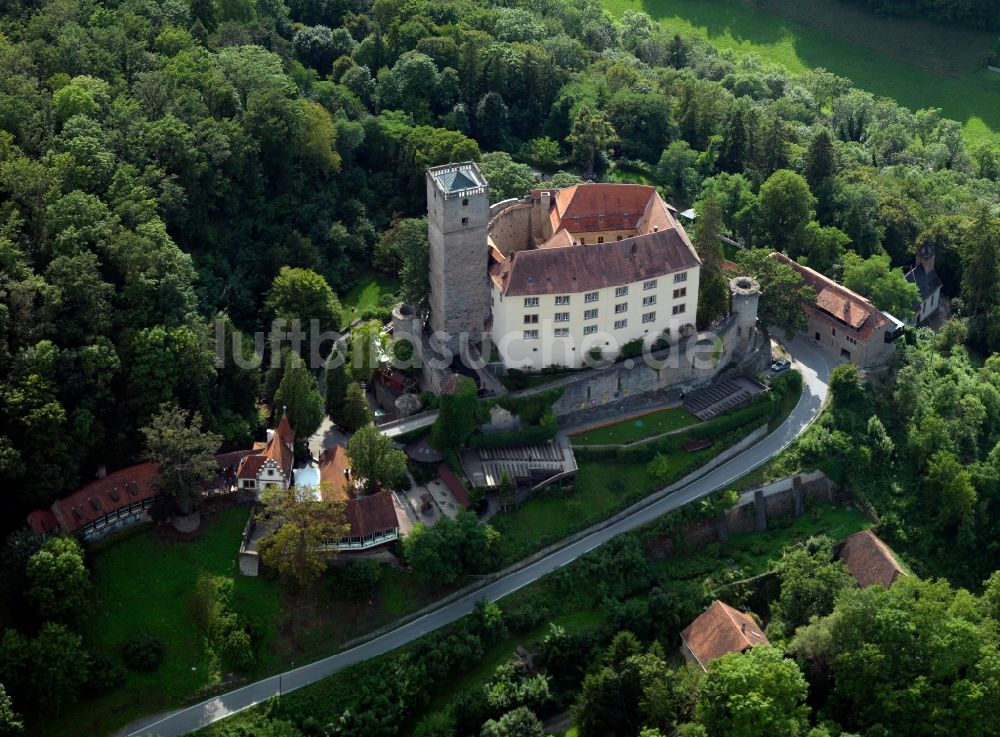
(160,163)
(168,165)
(976,13)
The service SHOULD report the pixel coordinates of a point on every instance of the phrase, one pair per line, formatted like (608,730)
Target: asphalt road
(810,360)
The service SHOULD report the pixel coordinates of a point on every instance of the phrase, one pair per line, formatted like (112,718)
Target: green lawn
(919,64)
(620,433)
(366,293)
(142,582)
(603,488)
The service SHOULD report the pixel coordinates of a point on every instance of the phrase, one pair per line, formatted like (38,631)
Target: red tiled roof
(586,268)
(334,467)
(837,301)
(101,496)
(42,522)
(371,514)
(869,560)
(720,630)
(597,207)
(454,484)
(278,449)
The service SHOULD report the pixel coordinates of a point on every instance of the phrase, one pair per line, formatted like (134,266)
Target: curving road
(810,360)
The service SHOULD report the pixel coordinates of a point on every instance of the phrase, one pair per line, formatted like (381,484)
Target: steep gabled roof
(869,560)
(721,630)
(334,470)
(586,268)
(840,303)
(927,283)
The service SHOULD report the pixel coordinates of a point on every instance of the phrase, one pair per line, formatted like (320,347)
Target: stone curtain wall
(618,383)
(777,499)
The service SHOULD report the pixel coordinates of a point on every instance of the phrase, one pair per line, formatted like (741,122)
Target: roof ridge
(740,626)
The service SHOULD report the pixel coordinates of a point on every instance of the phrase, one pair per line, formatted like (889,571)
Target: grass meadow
(918,63)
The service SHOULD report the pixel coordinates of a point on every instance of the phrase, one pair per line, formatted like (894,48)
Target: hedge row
(529,435)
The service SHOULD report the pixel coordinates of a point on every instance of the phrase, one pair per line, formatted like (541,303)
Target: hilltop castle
(559,274)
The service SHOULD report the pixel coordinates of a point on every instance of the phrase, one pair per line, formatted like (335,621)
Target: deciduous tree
(301,527)
(375,460)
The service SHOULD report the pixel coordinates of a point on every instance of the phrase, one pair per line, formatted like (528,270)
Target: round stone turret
(406,323)
(745,293)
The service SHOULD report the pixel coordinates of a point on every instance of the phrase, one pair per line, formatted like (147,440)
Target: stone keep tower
(458,212)
(745,298)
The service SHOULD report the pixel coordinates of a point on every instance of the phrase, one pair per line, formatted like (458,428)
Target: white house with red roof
(592,266)
(270,463)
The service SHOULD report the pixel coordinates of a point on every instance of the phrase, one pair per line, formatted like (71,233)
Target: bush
(354,580)
(522,436)
(104,675)
(232,644)
(143,652)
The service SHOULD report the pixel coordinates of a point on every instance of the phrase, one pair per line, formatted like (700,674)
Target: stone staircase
(718,398)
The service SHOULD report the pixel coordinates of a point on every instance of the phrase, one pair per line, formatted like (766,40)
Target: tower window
(465,221)
(600,239)
(465,203)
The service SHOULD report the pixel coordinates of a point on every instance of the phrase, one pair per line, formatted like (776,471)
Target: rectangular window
(562,299)
(678,278)
(682,292)
(590,297)
(619,324)
(651,284)
(649,317)
(678,309)
(590,314)
(531,301)
(465,221)
(621,307)
(562,317)
(833,331)
(583,241)
(589,329)
(650,300)
(562,332)
(621,291)
(530,334)
(531,319)
(600,239)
